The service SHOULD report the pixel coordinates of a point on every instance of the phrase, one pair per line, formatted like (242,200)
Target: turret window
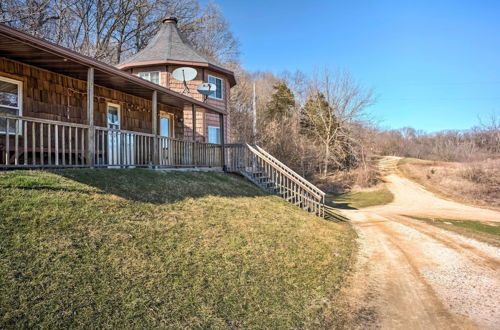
(153,76)
(218,94)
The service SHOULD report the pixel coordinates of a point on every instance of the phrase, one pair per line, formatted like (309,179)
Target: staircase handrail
(289,175)
(292,172)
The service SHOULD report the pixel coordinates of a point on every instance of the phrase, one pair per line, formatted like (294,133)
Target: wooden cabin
(139,115)
(59,109)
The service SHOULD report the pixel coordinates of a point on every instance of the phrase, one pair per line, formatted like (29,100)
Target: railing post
(193,114)
(222,143)
(90,118)
(154,123)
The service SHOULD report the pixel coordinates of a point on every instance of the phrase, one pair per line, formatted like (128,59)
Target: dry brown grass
(340,182)
(476,183)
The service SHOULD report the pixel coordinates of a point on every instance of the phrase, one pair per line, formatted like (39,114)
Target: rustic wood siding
(53,96)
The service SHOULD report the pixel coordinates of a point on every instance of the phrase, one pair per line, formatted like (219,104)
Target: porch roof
(25,48)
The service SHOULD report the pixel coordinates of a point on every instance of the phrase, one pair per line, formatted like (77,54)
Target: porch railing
(33,143)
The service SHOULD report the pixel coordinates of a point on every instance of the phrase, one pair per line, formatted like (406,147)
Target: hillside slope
(474,183)
(139,248)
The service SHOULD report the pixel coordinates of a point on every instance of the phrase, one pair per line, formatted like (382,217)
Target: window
(153,76)
(11,101)
(113,116)
(213,134)
(218,94)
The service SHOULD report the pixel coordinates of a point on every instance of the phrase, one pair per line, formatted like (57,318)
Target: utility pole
(254,110)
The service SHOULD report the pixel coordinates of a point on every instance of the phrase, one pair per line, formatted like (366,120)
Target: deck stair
(272,176)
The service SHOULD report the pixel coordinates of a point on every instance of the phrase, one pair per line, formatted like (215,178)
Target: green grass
(358,200)
(148,249)
(468,224)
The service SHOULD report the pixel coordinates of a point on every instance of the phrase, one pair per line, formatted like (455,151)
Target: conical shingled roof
(169,46)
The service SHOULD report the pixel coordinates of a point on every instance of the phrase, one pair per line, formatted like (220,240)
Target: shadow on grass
(160,187)
(342,206)
(142,185)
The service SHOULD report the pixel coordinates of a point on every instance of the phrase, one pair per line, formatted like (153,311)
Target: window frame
(218,134)
(156,71)
(19,107)
(214,95)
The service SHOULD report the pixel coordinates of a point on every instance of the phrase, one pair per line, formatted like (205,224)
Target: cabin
(60,109)
(139,114)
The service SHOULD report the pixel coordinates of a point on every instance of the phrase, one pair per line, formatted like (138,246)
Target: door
(114,138)
(166,131)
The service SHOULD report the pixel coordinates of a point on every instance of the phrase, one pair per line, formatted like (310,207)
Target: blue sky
(434,64)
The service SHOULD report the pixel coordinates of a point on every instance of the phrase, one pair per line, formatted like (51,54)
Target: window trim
(208,134)
(213,96)
(156,71)
(19,107)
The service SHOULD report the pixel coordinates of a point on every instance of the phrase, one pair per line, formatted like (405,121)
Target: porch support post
(222,142)
(90,118)
(193,111)
(154,123)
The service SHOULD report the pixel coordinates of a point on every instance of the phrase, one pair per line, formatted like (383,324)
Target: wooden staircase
(271,175)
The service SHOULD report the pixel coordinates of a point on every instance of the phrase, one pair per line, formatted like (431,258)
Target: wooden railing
(114,147)
(290,171)
(177,152)
(33,143)
(272,175)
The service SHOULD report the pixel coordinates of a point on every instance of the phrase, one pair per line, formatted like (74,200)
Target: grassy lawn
(476,229)
(148,249)
(361,199)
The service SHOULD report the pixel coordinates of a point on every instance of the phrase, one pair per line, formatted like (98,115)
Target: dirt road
(413,275)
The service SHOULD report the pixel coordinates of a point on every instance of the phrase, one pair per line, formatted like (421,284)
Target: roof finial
(170,19)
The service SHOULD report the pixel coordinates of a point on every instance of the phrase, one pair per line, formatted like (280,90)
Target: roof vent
(170,19)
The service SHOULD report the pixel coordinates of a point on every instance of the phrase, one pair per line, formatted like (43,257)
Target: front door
(113,134)
(166,132)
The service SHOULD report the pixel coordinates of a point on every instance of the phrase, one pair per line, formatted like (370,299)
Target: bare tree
(110,30)
(335,102)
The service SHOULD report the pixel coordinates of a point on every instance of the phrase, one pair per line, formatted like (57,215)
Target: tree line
(110,30)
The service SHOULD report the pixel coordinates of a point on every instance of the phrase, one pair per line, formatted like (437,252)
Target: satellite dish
(206,88)
(184,74)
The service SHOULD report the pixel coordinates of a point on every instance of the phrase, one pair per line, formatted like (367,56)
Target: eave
(227,73)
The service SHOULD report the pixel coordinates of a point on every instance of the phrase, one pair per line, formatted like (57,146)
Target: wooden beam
(90,118)
(222,142)
(193,111)
(154,122)
(193,114)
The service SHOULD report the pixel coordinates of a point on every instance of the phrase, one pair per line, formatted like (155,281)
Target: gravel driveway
(417,276)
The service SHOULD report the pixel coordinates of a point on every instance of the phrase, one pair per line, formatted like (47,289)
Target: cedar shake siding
(48,95)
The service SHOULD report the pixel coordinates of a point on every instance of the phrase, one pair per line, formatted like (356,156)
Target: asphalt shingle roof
(168,44)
